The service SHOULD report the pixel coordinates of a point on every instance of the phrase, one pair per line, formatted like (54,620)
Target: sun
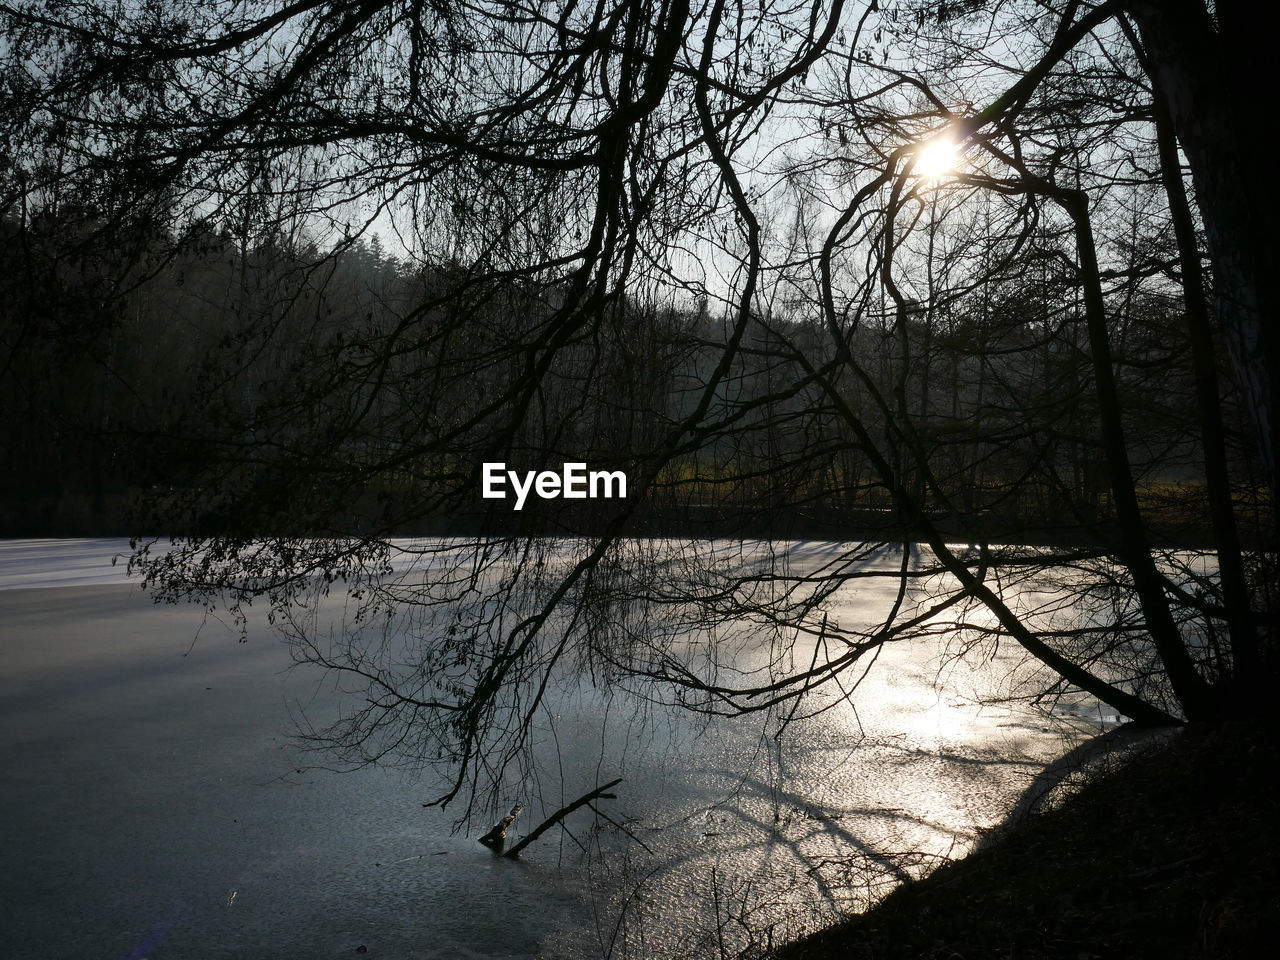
(937,157)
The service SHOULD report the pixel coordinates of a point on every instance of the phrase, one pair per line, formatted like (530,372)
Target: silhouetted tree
(701,243)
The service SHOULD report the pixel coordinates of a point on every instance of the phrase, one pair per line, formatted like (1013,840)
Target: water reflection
(149,792)
(755,840)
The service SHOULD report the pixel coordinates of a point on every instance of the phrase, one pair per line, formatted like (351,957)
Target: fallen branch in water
(496,838)
(597,794)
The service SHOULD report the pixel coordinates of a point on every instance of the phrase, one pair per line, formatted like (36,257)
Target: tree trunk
(1219,98)
(1235,590)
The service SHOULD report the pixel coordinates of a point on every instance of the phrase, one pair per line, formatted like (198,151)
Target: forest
(121,403)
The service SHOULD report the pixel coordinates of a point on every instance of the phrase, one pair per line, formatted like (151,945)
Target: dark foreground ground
(1170,854)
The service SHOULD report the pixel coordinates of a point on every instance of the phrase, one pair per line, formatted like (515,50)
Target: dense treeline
(183,386)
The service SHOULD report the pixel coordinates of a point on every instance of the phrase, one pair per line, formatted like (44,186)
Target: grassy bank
(1171,854)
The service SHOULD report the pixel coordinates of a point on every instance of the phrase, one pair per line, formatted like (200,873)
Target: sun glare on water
(937,158)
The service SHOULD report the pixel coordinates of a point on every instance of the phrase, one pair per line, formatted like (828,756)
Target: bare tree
(707,245)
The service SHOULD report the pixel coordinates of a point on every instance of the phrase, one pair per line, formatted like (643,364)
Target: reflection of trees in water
(791,836)
(774,803)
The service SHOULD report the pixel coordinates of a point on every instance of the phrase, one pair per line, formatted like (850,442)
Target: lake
(155,803)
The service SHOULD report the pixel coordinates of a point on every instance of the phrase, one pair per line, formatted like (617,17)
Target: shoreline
(1171,853)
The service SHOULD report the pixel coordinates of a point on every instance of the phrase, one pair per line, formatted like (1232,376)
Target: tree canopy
(893,274)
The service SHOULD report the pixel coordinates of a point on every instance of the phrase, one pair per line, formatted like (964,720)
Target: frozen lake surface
(62,563)
(155,805)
